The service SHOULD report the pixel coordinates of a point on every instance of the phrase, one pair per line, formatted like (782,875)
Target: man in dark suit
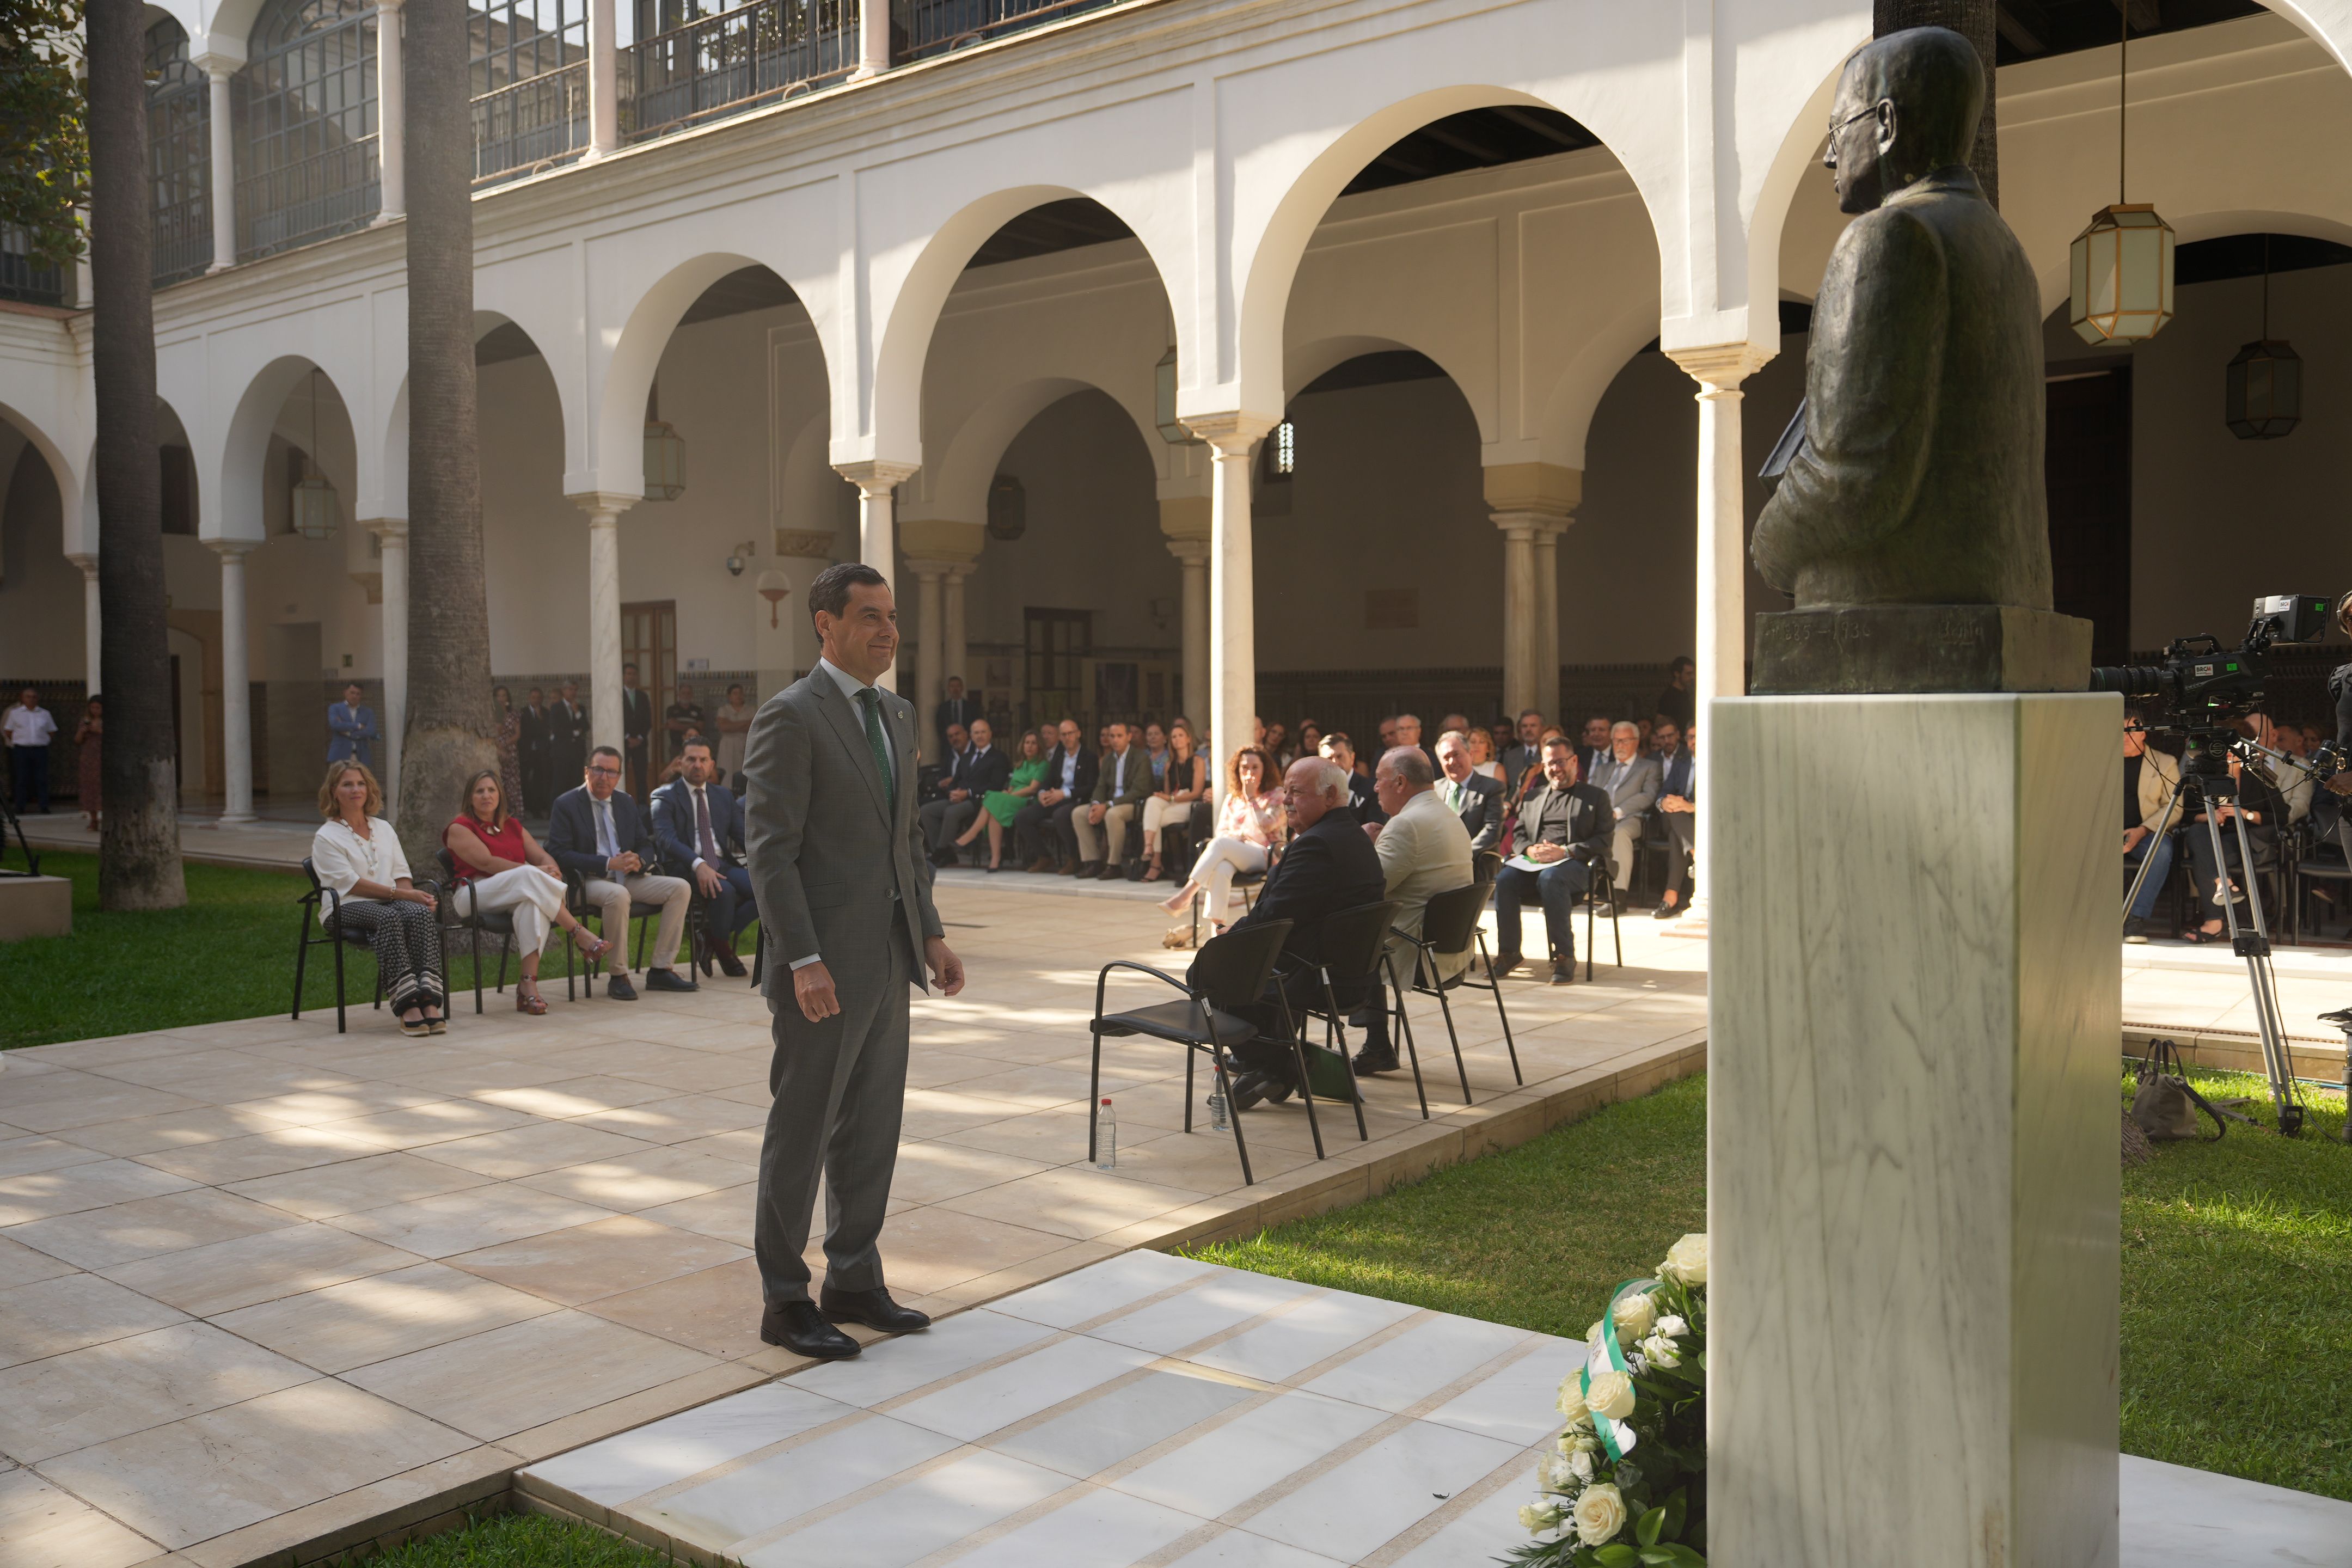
(1564,828)
(598,831)
(567,737)
(1678,809)
(531,752)
(958,710)
(1593,746)
(977,769)
(636,729)
(1475,798)
(1362,799)
(699,825)
(1042,829)
(1527,752)
(1329,866)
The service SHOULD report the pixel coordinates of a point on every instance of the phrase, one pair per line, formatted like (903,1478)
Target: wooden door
(649,641)
(2086,469)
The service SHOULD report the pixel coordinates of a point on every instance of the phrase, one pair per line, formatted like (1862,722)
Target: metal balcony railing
(734,61)
(20,278)
(309,198)
(926,27)
(184,231)
(531,124)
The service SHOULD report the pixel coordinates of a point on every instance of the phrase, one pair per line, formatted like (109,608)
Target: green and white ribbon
(1616,1436)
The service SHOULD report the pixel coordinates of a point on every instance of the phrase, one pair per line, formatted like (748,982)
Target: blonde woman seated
(1185,781)
(357,854)
(1249,821)
(502,868)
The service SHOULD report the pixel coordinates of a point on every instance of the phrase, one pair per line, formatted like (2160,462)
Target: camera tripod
(8,821)
(2205,783)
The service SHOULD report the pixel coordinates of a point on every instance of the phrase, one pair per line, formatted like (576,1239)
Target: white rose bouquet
(1641,1390)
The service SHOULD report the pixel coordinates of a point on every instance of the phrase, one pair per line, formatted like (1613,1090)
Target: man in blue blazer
(351,723)
(698,824)
(1678,809)
(598,831)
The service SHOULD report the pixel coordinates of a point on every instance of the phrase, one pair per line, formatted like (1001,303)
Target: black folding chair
(331,933)
(575,898)
(1449,926)
(499,924)
(1244,880)
(1354,945)
(1230,974)
(1602,885)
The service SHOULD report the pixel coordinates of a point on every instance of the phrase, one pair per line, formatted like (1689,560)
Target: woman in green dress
(998,807)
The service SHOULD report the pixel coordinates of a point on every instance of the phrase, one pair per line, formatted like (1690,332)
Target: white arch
(80,532)
(961,475)
(234,510)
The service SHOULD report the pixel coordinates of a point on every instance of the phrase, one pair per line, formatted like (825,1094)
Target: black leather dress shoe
(619,989)
(728,964)
(1368,1060)
(801,1329)
(669,979)
(874,1309)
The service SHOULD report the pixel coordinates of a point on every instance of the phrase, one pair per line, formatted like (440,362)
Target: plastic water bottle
(1105,1137)
(1219,1120)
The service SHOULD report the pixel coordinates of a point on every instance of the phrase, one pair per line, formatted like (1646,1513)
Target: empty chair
(1449,926)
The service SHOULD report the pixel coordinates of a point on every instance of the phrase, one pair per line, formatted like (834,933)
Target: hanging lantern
(311,504)
(1171,429)
(665,454)
(2263,389)
(2120,267)
(1008,509)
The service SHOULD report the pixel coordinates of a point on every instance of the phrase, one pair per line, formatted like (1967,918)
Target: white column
(954,650)
(236,683)
(393,533)
(603,80)
(217,72)
(1233,593)
(1194,555)
(91,643)
(931,674)
(1522,610)
(392,115)
(1547,569)
(877,527)
(604,510)
(1720,618)
(873,39)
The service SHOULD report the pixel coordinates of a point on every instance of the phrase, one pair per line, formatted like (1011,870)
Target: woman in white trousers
(502,869)
(1249,821)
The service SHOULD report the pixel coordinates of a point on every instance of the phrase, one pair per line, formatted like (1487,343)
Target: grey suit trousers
(840,1088)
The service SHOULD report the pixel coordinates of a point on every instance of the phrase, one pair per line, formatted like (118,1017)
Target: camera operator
(2263,809)
(2152,808)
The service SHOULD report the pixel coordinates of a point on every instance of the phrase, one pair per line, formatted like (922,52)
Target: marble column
(1547,569)
(604,510)
(878,528)
(873,39)
(1232,708)
(955,652)
(930,650)
(221,129)
(237,682)
(1522,611)
(603,80)
(392,116)
(90,623)
(1912,1197)
(391,533)
(1194,555)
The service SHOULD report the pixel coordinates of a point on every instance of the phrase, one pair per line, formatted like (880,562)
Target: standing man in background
(351,722)
(957,710)
(835,861)
(27,729)
(567,737)
(636,729)
(530,748)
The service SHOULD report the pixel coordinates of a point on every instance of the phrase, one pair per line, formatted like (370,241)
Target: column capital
(1721,366)
(87,560)
(387,529)
(1191,552)
(1528,525)
(877,476)
(927,570)
(956,571)
(605,505)
(1232,433)
(217,64)
(228,549)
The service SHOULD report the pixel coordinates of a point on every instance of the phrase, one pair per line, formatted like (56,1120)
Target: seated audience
(1678,701)
(977,769)
(599,831)
(1362,799)
(1524,755)
(1678,810)
(1481,742)
(1155,751)
(1329,866)
(698,827)
(685,717)
(1453,722)
(1424,850)
(1594,745)
(1310,737)
(1387,733)
(2151,813)
(1564,828)
(1184,780)
(356,854)
(1275,742)
(1249,824)
(1002,803)
(955,712)
(1042,830)
(1408,733)
(1629,780)
(1122,783)
(502,869)
(1474,798)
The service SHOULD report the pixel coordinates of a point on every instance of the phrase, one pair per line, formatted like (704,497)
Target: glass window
(179,155)
(306,113)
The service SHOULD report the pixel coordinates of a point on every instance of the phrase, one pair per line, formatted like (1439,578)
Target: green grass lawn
(2237,1266)
(229,953)
(522,1541)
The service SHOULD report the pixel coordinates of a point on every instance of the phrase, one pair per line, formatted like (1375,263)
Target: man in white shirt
(1120,789)
(27,728)
(598,831)
(1425,850)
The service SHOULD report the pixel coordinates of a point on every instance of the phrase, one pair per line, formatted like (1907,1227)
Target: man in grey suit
(1629,780)
(835,857)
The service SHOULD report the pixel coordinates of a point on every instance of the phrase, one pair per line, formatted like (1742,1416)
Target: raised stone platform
(34,906)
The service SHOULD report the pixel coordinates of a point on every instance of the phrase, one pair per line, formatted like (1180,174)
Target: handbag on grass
(2164,1105)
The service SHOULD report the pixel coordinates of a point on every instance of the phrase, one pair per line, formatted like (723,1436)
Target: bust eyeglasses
(1828,157)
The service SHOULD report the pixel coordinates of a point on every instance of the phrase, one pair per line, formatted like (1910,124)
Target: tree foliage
(44,135)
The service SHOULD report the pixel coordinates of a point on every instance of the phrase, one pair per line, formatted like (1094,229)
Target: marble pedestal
(34,906)
(1912,1185)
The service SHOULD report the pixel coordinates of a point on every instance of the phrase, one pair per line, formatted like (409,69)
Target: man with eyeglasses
(599,831)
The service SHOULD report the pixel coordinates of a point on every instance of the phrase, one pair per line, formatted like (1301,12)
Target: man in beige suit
(1425,850)
(836,863)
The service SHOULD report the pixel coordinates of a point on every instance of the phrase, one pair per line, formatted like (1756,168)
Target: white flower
(1685,1261)
(1539,1517)
(1565,1475)
(1581,1442)
(1571,1402)
(1629,1474)
(1635,1315)
(1673,1327)
(1600,1514)
(1636,1363)
(1612,1394)
(1659,1350)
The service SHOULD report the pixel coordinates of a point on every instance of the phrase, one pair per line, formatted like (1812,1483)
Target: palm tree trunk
(139,855)
(449,733)
(1974,20)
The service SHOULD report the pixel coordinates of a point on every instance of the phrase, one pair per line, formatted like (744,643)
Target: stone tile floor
(260,1282)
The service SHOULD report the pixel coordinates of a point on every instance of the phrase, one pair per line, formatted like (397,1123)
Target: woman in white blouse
(358,856)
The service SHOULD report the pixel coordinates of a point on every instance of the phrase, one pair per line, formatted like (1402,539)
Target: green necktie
(871,700)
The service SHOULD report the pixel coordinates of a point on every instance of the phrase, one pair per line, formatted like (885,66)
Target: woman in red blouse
(502,868)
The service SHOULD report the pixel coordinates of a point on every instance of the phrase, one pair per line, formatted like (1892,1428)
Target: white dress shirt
(344,859)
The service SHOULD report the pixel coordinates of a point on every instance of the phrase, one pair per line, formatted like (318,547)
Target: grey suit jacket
(1632,787)
(825,855)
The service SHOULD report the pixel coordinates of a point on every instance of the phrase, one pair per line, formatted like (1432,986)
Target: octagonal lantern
(664,461)
(2262,399)
(2121,270)
(313,504)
